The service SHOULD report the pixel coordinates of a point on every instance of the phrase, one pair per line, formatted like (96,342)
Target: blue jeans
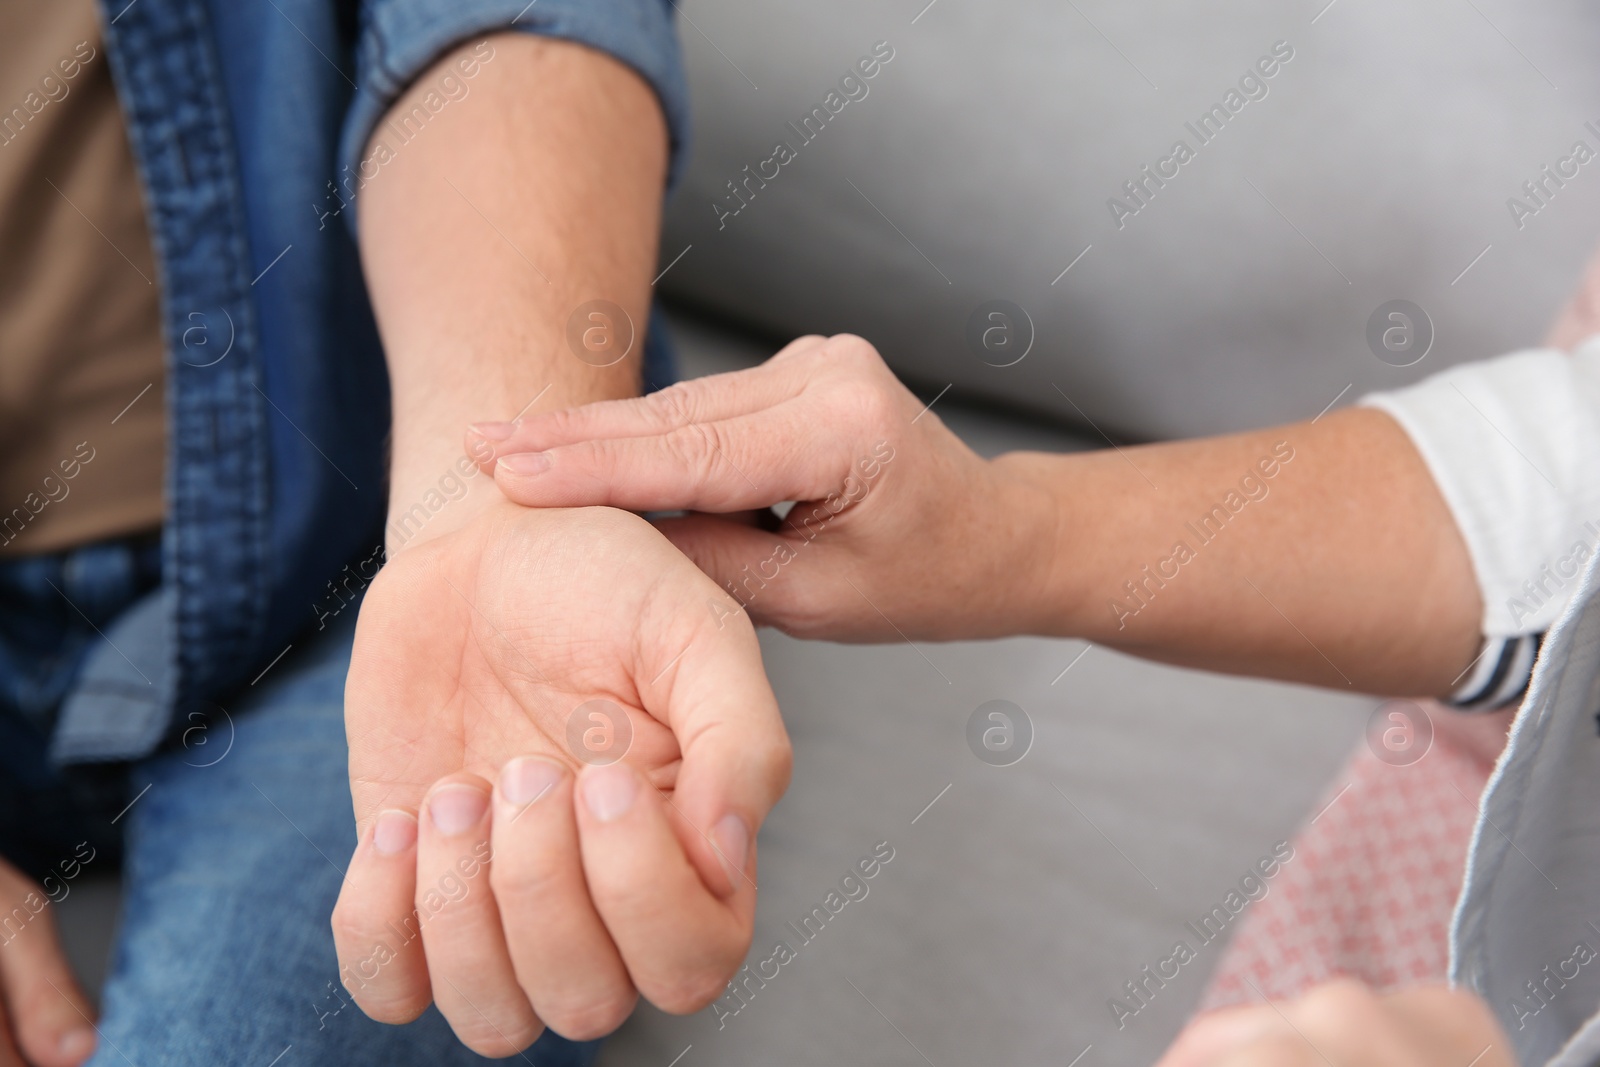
(233,848)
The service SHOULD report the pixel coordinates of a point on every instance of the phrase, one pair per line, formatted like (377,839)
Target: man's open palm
(530,649)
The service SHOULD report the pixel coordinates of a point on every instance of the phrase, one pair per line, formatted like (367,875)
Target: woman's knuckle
(700,449)
(674,404)
(865,405)
(853,350)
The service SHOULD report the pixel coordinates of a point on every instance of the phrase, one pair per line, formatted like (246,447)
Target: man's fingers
(473,981)
(736,753)
(375,930)
(708,399)
(680,942)
(51,1020)
(9,1056)
(563,956)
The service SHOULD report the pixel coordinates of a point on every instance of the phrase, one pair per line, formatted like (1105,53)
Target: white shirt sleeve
(1514,445)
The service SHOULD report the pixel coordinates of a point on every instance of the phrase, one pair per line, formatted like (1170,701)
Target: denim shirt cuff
(401,39)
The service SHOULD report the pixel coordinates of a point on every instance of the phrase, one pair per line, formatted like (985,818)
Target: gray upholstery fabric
(1377,167)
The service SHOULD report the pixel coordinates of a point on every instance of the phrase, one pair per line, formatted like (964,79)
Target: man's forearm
(1320,553)
(537,192)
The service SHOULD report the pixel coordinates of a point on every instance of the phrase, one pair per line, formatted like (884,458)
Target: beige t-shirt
(82,397)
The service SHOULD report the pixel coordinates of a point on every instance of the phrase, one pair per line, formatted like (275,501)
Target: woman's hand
(899,530)
(1319,552)
(1345,1023)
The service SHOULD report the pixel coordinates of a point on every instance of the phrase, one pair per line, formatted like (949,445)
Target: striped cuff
(1500,674)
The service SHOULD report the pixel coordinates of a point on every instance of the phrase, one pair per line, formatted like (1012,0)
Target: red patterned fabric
(1375,875)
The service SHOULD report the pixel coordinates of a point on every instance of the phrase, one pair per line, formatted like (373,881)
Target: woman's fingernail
(526,779)
(457,808)
(609,791)
(732,838)
(525,463)
(77,1044)
(493,431)
(395,832)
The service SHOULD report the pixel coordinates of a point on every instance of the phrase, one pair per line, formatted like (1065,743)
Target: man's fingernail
(526,779)
(76,1044)
(395,832)
(732,839)
(525,463)
(493,431)
(609,791)
(457,808)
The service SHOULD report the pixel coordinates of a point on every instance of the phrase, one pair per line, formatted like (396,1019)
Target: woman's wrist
(1042,587)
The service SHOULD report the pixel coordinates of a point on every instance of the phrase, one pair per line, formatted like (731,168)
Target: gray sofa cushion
(980,161)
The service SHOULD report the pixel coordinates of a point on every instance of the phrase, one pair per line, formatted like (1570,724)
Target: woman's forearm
(1320,552)
(1317,552)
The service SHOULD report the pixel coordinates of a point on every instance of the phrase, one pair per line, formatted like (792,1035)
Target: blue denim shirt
(248,119)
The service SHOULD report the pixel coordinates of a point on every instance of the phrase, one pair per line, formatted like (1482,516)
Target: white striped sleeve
(1500,674)
(1514,446)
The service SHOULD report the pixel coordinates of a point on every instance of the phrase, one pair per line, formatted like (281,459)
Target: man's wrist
(436,482)
(425,502)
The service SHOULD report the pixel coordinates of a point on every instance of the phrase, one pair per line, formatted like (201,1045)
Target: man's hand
(46,1020)
(535,193)
(1346,1023)
(900,530)
(551,895)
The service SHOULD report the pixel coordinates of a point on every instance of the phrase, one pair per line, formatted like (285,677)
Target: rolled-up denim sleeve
(400,39)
